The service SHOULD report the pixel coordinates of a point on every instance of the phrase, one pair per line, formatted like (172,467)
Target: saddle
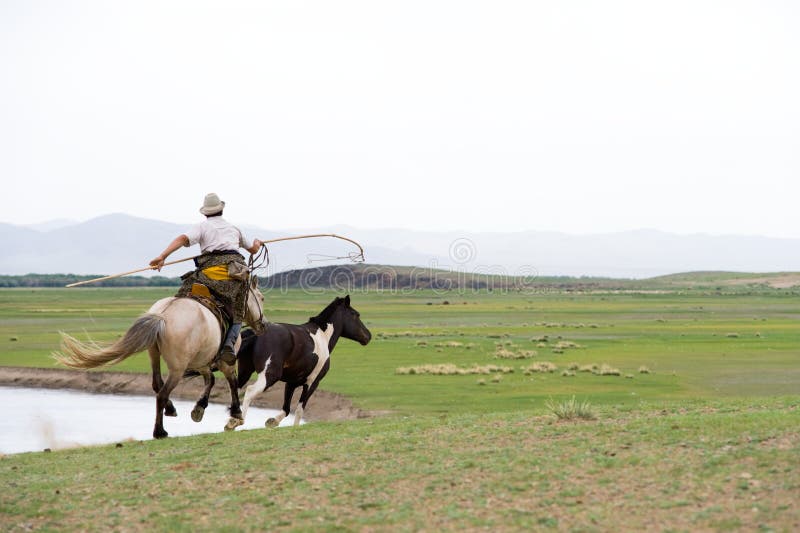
(202,295)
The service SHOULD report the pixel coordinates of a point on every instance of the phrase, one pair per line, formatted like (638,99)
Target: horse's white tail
(144,333)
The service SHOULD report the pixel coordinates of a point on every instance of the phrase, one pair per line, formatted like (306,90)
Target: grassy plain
(717,466)
(708,439)
(696,346)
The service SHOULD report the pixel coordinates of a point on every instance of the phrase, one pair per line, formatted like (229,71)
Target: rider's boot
(228,352)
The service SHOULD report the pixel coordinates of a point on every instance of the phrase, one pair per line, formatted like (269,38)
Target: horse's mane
(248,341)
(322,319)
(247,333)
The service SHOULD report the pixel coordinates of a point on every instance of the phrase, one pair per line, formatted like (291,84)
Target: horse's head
(352,327)
(255,301)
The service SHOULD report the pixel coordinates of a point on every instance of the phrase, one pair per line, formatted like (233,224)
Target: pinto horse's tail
(144,333)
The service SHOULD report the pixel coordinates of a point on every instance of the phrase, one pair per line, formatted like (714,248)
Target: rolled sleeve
(244,242)
(194,234)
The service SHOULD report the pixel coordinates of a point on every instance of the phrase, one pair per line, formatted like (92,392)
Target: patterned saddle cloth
(203,295)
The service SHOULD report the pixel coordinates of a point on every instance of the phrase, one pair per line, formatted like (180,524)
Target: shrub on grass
(403,334)
(644,370)
(571,409)
(449,369)
(502,353)
(607,370)
(508,344)
(544,367)
(449,344)
(566,345)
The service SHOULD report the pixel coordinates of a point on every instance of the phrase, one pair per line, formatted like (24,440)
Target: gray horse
(185,334)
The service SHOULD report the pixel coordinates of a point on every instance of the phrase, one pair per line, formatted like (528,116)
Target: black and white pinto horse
(298,355)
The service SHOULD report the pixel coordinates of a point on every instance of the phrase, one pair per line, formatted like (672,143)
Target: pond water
(35,419)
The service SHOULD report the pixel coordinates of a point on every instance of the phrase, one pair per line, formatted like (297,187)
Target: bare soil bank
(323,406)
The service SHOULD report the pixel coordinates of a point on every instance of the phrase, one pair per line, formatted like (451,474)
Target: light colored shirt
(215,234)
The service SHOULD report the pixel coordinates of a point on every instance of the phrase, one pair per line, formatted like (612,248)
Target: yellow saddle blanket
(201,293)
(218,273)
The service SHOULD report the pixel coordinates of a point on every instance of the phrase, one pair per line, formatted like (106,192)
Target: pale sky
(571,116)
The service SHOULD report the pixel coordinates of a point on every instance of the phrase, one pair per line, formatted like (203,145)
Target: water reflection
(35,419)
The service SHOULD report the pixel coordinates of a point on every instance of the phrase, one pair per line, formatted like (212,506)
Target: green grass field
(708,438)
(695,346)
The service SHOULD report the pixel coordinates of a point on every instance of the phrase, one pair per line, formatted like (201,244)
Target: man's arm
(179,242)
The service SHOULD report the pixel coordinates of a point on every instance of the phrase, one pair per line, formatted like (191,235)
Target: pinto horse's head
(352,327)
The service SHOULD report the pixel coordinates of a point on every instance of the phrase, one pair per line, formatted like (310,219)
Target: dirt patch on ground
(323,406)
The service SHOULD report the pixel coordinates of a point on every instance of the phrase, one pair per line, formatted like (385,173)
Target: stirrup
(227,356)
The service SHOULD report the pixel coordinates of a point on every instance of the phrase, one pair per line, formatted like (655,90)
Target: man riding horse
(221,267)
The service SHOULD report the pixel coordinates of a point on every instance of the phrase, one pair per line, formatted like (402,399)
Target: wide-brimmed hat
(212,204)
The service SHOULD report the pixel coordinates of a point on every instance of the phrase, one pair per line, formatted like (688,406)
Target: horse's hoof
(160,434)
(169,410)
(197,413)
(271,423)
(233,423)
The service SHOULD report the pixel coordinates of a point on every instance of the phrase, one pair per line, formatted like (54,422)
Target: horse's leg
(264,380)
(306,395)
(155,365)
(236,418)
(288,391)
(200,407)
(161,401)
(298,411)
(253,390)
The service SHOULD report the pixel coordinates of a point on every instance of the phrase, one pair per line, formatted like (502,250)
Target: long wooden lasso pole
(356,257)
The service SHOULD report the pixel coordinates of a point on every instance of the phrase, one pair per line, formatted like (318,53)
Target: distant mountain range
(117,243)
